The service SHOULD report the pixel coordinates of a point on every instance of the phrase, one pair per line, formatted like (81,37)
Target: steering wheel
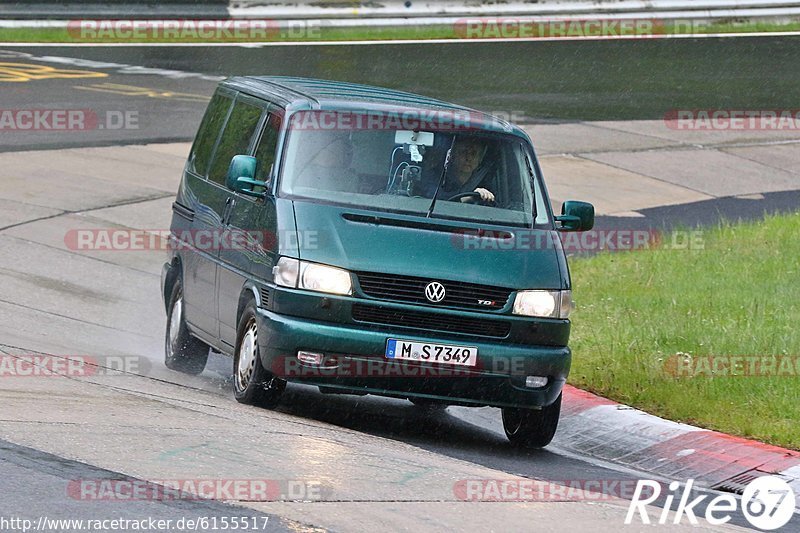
(474,197)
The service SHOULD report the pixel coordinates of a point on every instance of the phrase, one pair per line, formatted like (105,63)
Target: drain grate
(737,484)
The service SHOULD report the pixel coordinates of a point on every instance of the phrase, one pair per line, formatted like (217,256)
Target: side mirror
(241,176)
(576,216)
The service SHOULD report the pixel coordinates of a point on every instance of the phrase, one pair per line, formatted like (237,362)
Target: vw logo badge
(434,292)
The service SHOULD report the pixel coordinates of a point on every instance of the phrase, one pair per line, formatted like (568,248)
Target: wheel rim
(246,363)
(174,326)
(512,420)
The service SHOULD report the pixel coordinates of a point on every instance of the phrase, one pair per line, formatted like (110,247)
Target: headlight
(312,276)
(323,278)
(544,304)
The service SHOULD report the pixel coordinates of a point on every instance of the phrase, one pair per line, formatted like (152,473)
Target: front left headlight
(312,276)
(323,278)
(544,304)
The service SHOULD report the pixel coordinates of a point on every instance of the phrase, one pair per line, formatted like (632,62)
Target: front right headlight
(543,304)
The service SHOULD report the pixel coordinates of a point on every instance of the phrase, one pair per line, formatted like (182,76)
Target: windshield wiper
(444,175)
(533,186)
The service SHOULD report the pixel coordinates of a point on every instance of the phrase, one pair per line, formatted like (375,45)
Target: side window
(235,139)
(207,134)
(267,146)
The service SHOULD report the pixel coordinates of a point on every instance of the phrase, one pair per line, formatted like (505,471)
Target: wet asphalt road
(27,473)
(123,103)
(569,80)
(534,81)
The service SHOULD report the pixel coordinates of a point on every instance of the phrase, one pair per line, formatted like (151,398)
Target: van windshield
(487,179)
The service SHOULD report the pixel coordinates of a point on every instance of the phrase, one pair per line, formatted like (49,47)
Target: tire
(182,352)
(252,383)
(528,428)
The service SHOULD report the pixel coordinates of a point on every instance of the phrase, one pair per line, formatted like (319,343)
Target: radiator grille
(431,321)
(412,290)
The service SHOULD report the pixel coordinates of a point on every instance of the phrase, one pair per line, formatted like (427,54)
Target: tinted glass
(235,139)
(267,146)
(488,177)
(207,134)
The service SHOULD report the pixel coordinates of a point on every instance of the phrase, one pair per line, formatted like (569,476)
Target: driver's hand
(486,195)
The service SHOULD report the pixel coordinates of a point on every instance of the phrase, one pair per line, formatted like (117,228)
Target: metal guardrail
(451,8)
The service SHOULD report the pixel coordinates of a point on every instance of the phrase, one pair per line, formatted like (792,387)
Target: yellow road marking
(24,72)
(132,90)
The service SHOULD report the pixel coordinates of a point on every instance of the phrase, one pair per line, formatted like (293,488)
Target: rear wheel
(252,383)
(182,351)
(527,428)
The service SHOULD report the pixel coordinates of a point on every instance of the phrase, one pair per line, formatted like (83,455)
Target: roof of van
(327,94)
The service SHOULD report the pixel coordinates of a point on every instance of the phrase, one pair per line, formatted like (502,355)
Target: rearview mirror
(241,176)
(576,216)
(419,138)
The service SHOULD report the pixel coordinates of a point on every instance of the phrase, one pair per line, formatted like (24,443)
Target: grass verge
(642,313)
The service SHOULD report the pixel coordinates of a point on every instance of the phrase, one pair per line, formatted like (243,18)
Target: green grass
(56,35)
(738,296)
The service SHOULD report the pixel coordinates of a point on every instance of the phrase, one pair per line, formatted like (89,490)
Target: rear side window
(209,131)
(267,146)
(235,139)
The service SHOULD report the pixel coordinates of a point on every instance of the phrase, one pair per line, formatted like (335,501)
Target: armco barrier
(393,9)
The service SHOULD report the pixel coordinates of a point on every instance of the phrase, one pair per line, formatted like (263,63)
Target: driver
(469,171)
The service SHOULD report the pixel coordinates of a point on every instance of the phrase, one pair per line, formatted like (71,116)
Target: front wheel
(182,351)
(527,428)
(252,383)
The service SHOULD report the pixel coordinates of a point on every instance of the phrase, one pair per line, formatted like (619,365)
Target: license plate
(431,353)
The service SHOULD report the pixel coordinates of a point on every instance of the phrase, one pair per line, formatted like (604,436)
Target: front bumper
(359,365)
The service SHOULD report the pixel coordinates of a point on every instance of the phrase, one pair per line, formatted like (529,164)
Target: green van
(371,241)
